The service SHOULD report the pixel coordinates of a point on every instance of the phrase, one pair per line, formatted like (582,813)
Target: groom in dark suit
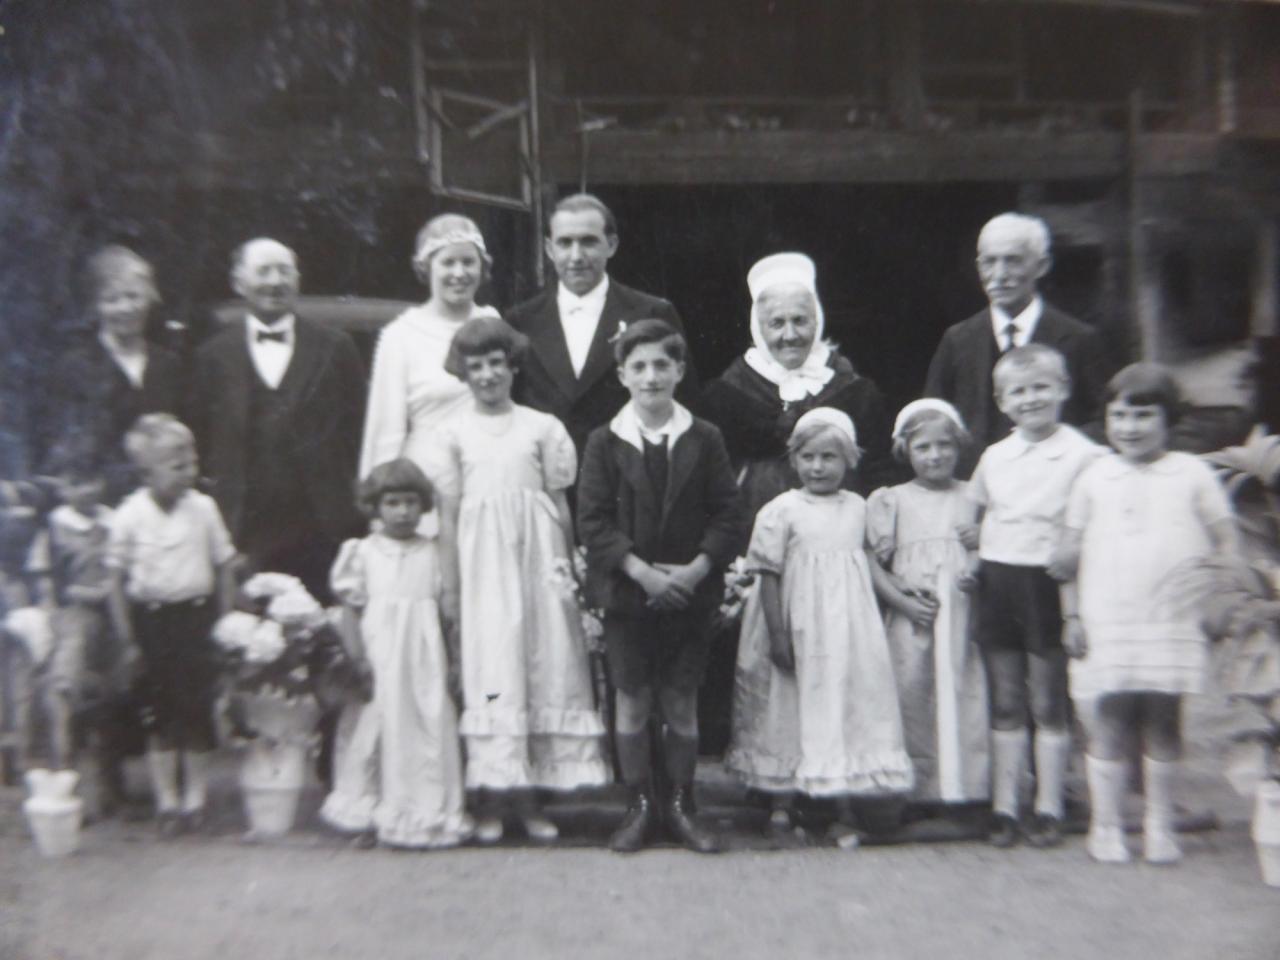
(278,404)
(569,369)
(1013,254)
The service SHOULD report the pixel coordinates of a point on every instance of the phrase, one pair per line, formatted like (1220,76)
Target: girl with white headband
(410,394)
(815,706)
(915,531)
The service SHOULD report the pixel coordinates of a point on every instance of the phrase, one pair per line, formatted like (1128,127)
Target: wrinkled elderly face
(1009,268)
(788,323)
(267,276)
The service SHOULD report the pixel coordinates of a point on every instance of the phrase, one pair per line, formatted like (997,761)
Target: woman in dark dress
(788,371)
(102,385)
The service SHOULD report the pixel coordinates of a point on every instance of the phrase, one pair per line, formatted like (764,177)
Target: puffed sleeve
(1210,500)
(386,420)
(347,578)
(882,523)
(221,549)
(1079,502)
(559,459)
(442,462)
(768,550)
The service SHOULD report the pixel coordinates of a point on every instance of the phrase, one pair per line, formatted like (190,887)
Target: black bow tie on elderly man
(273,336)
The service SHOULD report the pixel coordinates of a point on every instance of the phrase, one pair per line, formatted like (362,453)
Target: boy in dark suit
(659,513)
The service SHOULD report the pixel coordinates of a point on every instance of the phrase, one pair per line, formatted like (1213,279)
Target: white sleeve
(386,422)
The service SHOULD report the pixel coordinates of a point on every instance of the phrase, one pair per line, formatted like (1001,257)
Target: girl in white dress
(916,532)
(815,704)
(410,394)
(529,718)
(1137,645)
(398,766)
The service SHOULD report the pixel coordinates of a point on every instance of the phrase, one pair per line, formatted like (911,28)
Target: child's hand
(920,608)
(663,590)
(687,575)
(1074,640)
(968,534)
(782,653)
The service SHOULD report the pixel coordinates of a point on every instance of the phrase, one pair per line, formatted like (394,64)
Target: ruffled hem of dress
(558,776)
(876,773)
(407,827)
(347,813)
(544,721)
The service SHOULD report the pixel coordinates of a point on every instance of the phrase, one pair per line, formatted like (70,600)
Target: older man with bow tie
(278,403)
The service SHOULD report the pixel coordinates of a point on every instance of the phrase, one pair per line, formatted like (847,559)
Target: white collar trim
(626,426)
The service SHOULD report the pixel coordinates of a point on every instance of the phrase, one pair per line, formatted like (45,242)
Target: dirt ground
(128,895)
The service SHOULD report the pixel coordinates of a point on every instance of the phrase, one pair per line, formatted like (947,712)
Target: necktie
(277,336)
(1009,333)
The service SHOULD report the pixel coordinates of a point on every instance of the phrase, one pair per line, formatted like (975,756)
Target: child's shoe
(488,831)
(844,836)
(169,823)
(1003,832)
(539,828)
(194,821)
(633,832)
(684,826)
(1106,845)
(1159,843)
(1045,831)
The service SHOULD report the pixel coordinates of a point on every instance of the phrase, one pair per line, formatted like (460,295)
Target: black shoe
(1045,831)
(634,829)
(1003,832)
(684,827)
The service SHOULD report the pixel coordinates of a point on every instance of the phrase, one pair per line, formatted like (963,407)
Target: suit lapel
(239,370)
(682,458)
(548,347)
(303,363)
(600,355)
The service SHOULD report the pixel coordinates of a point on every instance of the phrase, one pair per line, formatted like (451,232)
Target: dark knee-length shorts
(180,683)
(659,650)
(1018,608)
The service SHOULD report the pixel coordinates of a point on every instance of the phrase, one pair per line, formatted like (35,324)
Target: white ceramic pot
(1266,831)
(53,812)
(271,779)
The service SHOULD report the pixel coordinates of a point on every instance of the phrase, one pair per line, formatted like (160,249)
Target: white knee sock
(1008,762)
(163,767)
(195,772)
(1158,823)
(1053,751)
(1108,782)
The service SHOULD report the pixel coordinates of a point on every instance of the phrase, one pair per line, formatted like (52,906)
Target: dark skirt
(662,651)
(1018,609)
(180,684)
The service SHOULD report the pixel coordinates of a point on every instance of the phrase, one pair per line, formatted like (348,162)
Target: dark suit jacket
(325,388)
(961,372)
(619,513)
(546,381)
(92,405)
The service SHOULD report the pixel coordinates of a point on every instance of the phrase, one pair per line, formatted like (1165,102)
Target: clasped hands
(670,586)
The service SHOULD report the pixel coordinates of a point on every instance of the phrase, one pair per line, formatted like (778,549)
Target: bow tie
(277,336)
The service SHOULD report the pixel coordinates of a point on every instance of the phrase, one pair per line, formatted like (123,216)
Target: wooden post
(1264,299)
(1144,272)
(906,85)
(1227,94)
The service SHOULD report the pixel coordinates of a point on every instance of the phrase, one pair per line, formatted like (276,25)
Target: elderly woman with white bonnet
(789,370)
(410,393)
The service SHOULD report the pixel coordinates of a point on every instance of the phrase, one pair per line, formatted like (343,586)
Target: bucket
(271,779)
(54,823)
(1266,831)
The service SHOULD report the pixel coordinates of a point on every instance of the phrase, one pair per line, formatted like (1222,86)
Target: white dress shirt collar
(1025,322)
(132,363)
(271,358)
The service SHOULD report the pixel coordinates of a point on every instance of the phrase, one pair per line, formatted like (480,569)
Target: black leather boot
(684,826)
(634,829)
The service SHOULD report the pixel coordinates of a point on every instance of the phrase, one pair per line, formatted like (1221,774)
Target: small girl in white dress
(916,531)
(398,766)
(529,718)
(815,704)
(1134,516)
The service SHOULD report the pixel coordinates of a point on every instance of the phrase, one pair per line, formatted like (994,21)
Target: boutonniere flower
(617,334)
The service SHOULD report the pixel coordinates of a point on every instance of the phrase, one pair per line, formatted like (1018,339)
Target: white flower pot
(271,779)
(1266,831)
(54,823)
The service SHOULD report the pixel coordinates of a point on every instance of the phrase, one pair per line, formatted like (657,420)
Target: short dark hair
(394,476)
(1147,385)
(481,335)
(581,202)
(649,331)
